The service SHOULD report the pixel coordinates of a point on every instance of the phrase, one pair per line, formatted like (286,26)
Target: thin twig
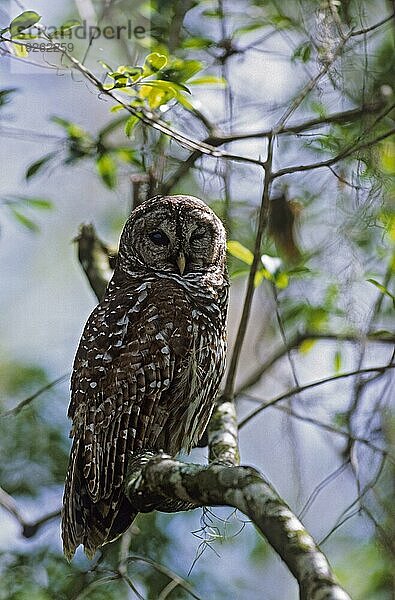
(310,85)
(327,427)
(331,161)
(296,341)
(165,571)
(262,223)
(29,529)
(308,386)
(17,409)
(372,27)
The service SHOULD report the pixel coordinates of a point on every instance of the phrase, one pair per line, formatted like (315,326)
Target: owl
(149,363)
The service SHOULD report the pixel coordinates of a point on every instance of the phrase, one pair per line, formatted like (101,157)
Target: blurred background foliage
(325,290)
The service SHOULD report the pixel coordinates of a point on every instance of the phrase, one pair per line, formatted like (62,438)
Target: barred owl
(149,363)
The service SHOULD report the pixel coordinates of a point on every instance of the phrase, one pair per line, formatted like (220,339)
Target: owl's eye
(197,235)
(159,238)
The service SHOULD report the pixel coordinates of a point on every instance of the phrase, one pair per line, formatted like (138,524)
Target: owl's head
(175,234)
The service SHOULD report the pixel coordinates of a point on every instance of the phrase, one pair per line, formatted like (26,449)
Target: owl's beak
(181,262)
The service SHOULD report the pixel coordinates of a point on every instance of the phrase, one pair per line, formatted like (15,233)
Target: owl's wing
(121,389)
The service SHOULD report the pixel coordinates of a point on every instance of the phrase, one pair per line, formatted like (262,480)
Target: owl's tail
(86,522)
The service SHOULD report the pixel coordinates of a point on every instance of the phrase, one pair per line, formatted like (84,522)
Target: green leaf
(117,108)
(317,317)
(24,220)
(127,155)
(74,131)
(33,202)
(107,170)
(185,103)
(5,95)
(259,277)
(299,271)
(239,251)
(35,167)
(40,203)
(182,70)
(281,280)
(302,52)
(25,36)
(133,73)
(383,290)
(209,80)
(58,33)
(23,21)
(381,333)
(250,27)
(215,13)
(20,50)
(281,21)
(166,86)
(154,62)
(197,42)
(130,125)
(306,345)
(105,65)
(337,361)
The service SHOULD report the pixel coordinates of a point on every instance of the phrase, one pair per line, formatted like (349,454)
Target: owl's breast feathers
(145,376)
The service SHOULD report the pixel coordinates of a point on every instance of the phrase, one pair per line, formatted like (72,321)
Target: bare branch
(340,117)
(297,340)
(372,27)
(96,259)
(262,223)
(310,85)
(174,578)
(302,388)
(220,139)
(17,409)
(29,529)
(350,149)
(327,427)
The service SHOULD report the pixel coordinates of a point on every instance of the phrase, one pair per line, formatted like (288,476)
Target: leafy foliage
(21,207)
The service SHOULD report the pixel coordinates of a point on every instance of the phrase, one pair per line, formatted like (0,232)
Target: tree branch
(372,27)
(327,427)
(29,529)
(262,223)
(245,489)
(220,139)
(331,161)
(17,409)
(96,259)
(297,340)
(223,434)
(302,388)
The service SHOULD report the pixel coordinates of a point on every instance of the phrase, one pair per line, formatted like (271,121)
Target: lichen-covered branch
(223,440)
(245,489)
(96,259)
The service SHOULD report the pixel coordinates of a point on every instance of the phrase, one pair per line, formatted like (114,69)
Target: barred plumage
(149,362)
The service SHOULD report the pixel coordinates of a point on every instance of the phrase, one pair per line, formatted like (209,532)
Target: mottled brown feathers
(149,362)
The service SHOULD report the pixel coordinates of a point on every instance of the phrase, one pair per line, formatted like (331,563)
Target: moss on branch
(162,479)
